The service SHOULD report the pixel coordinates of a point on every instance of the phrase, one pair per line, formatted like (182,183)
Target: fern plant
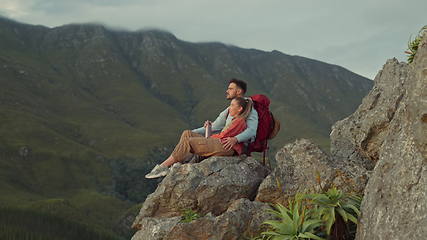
(333,207)
(413,45)
(296,222)
(189,216)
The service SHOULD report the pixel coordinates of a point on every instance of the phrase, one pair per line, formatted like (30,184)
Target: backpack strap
(264,153)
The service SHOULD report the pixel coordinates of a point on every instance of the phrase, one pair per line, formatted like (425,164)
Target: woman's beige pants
(195,143)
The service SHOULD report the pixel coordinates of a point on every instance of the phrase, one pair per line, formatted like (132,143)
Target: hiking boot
(158,171)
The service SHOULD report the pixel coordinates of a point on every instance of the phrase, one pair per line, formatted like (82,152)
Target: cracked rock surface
(359,137)
(303,167)
(209,188)
(395,201)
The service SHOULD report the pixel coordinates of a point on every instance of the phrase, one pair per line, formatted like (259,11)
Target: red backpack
(268,126)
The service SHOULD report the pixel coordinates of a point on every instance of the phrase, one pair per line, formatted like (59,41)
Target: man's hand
(229,142)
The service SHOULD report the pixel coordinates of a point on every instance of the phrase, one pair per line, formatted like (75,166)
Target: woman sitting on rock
(193,143)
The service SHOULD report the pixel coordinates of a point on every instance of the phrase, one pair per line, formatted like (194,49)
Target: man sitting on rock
(233,131)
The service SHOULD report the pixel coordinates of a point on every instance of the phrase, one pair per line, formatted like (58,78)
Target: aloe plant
(296,222)
(413,44)
(335,206)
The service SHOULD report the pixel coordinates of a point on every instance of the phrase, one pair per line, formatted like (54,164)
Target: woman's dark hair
(246,104)
(240,83)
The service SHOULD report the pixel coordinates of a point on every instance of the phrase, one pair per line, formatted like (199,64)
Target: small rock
(155,228)
(24,151)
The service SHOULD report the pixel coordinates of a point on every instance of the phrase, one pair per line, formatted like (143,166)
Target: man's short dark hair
(240,83)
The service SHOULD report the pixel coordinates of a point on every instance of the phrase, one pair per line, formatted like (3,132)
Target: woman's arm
(237,126)
(217,125)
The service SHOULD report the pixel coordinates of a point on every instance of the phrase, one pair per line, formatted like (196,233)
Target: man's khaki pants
(195,143)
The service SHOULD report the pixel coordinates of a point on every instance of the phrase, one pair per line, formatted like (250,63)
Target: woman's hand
(229,142)
(207,123)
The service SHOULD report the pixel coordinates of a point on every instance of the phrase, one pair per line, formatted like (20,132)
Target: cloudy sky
(358,35)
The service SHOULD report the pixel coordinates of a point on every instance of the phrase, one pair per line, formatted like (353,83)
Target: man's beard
(229,97)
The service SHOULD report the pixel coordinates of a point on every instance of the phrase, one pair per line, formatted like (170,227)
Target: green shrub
(314,216)
(413,45)
(296,222)
(330,203)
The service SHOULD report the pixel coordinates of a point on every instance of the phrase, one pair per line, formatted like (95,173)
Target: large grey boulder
(242,219)
(395,201)
(303,167)
(207,187)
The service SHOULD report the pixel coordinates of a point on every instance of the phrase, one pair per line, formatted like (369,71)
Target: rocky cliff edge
(380,150)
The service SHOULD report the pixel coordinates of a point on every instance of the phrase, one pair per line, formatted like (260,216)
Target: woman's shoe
(158,171)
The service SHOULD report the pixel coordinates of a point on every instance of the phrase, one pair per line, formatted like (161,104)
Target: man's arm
(217,125)
(250,131)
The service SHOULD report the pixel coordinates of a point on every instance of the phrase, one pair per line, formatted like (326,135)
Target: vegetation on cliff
(413,44)
(315,216)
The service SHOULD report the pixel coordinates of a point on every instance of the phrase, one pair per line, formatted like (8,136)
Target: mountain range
(86,111)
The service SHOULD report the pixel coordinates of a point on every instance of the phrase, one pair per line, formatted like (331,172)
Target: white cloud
(14,8)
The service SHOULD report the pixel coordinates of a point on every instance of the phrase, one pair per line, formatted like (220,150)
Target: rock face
(223,189)
(304,167)
(155,228)
(358,138)
(395,201)
(242,218)
(219,188)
